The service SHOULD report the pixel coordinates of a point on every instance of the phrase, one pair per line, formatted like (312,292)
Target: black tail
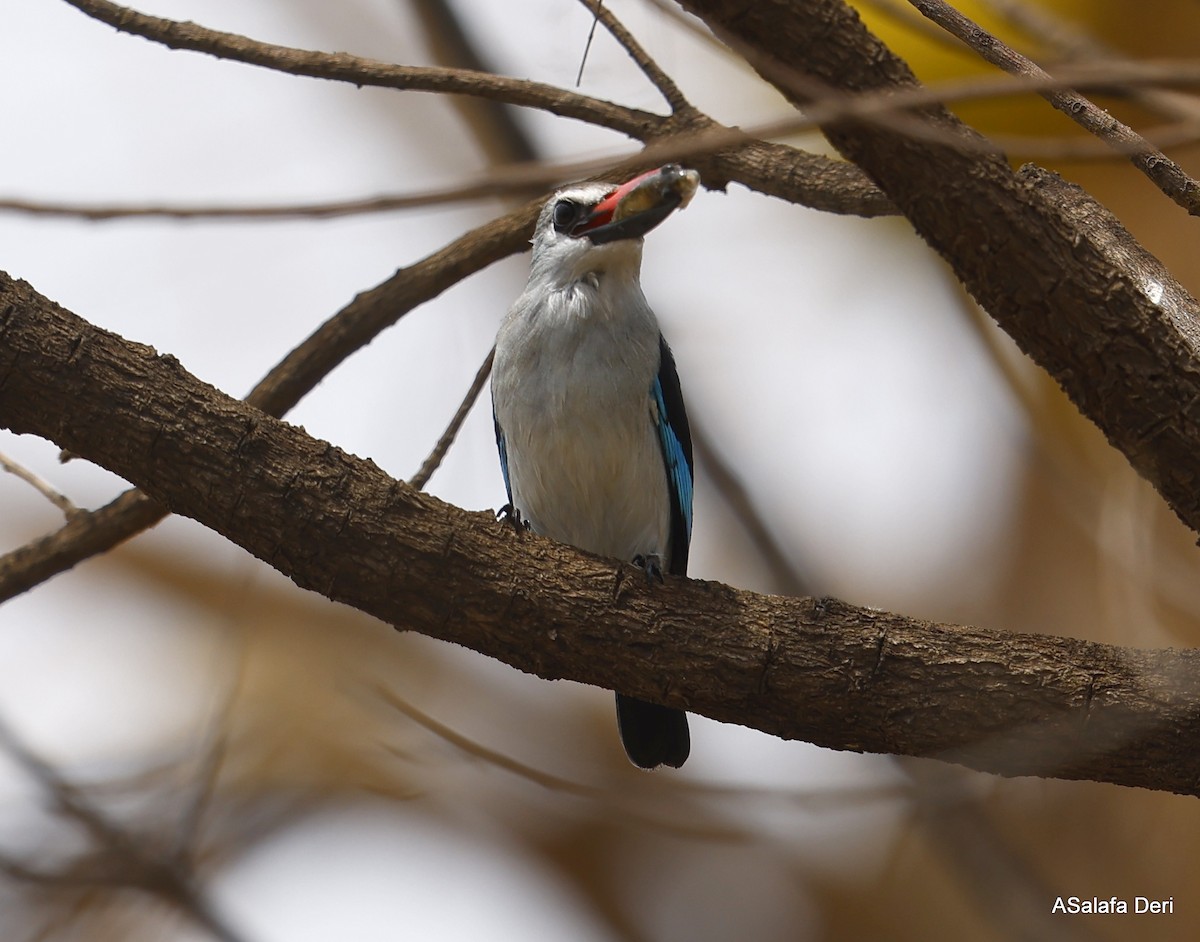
(652,735)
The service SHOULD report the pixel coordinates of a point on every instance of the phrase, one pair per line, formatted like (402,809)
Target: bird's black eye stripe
(566,214)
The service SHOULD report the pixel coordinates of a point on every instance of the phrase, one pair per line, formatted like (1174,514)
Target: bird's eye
(566,214)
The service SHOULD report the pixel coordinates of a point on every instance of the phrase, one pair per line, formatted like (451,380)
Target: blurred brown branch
(495,126)
(117,856)
(821,670)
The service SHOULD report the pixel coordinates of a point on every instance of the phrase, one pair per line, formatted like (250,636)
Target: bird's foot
(651,565)
(510,515)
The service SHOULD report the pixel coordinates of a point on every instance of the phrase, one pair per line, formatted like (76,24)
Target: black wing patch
(676,440)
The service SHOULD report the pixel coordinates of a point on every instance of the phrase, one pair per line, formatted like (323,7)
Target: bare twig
(1069,42)
(829,105)
(42,486)
(525,179)
(727,483)
(522,180)
(810,179)
(362,71)
(651,69)
(118,857)
(587,46)
(211,763)
(1167,175)
(900,12)
(431,464)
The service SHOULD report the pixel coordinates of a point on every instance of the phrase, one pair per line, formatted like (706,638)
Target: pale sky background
(827,357)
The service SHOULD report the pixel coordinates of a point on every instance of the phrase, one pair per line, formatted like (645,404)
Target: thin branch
(816,798)
(587,46)
(434,461)
(631,800)
(523,180)
(810,179)
(658,78)
(42,486)
(208,775)
(725,480)
(1069,42)
(614,801)
(491,115)
(832,104)
(343,67)
(902,14)
(526,179)
(1167,175)
(87,534)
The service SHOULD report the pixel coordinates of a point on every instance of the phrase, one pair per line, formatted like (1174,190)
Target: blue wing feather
(503,449)
(676,439)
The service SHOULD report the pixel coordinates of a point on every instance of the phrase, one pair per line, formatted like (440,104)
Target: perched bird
(590,424)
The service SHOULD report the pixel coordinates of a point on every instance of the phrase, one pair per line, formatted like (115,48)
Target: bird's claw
(510,515)
(651,565)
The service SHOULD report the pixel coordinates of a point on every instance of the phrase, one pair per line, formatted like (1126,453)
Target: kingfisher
(590,424)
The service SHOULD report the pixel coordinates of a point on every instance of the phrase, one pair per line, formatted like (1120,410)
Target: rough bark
(819,670)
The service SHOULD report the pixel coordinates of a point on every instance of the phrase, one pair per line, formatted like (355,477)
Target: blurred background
(315,774)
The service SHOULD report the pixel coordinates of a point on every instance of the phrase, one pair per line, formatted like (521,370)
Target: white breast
(571,391)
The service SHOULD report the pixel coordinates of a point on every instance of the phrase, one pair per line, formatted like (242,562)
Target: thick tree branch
(819,670)
(1056,270)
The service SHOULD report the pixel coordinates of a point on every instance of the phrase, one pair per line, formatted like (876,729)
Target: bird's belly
(601,487)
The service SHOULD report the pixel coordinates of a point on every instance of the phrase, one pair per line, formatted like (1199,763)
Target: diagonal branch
(434,461)
(89,533)
(343,67)
(1167,175)
(821,670)
(42,486)
(651,69)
